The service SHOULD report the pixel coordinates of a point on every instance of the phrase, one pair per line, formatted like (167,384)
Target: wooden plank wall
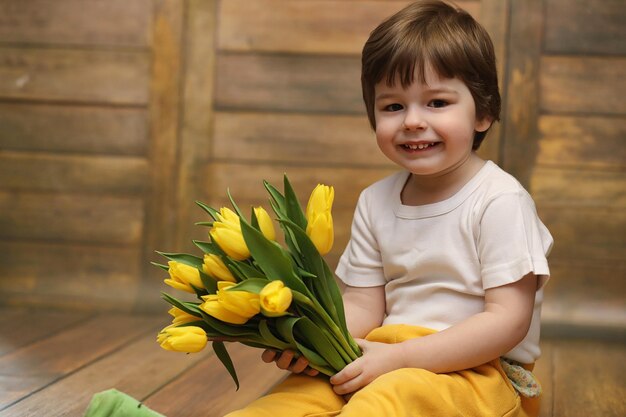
(288,99)
(88,122)
(108,133)
(567,126)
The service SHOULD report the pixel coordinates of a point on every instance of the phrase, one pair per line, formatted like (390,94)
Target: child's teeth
(419,146)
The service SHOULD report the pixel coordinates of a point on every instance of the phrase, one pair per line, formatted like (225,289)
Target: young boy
(447,258)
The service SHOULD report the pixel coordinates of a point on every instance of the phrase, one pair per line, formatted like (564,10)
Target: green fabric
(113,403)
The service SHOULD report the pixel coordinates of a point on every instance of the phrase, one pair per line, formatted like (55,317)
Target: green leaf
(252,285)
(269,337)
(184,258)
(161,266)
(254,222)
(273,260)
(322,344)
(293,207)
(285,326)
(277,199)
(179,304)
(208,247)
(243,270)
(235,206)
(207,224)
(210,210)
(324,287)
(224,357)
(209,283)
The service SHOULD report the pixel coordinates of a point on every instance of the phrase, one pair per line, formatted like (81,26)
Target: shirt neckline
(440,207)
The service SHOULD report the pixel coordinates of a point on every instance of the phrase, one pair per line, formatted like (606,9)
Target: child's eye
(394,107)
(437,103)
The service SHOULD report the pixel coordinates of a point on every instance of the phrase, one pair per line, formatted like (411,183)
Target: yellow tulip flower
(235,307)
(275,299)
(241,302)
(216,268)
(319,218)
(183,276)
(321,200)
(265,223)
(181,317)
(188,339)
(226,232)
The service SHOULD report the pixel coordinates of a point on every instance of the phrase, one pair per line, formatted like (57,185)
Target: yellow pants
(483,391)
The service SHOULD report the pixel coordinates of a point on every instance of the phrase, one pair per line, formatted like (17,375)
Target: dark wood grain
(76,22)
(73,129)
(74,75)
(579,27)
(38,364)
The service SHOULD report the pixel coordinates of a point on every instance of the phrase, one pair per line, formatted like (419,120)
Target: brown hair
(439,35)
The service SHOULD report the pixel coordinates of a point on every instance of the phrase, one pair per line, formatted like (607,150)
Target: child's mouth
(419,146)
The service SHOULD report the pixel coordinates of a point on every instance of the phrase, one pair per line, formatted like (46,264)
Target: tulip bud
(183,276)
(226,232)
(216,268)
(181,317)
(275,299)
(235,307)
(241,302)
(265,223)
(188,339)
(321,200)
(319,218)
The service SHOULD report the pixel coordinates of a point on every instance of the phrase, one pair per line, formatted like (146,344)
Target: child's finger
(268,355)
(299,365)
(284,361)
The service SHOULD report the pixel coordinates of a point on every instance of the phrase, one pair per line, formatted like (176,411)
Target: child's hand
(286,360)
(377,359)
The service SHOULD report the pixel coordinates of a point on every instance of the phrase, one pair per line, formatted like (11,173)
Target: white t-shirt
(437,260)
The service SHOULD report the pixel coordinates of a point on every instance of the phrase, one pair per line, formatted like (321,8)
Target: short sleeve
(361,263)
(512,241)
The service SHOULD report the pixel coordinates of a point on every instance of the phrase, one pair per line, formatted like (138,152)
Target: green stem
(332,326)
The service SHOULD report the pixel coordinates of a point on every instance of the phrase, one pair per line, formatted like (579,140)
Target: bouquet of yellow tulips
(252,290)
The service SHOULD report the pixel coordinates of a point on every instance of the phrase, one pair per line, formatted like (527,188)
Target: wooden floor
(51,363)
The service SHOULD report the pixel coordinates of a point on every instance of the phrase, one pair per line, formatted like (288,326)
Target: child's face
(428,129)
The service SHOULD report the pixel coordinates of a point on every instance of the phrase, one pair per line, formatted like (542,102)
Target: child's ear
(483,124)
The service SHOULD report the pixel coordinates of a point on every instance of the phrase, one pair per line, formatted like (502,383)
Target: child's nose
(414,120)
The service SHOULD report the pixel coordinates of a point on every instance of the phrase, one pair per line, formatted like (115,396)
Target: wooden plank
(586,232)
(90,278)
(134,364)
(245,181)
(19,328)
(578,27)
(582,142)
(588,85)
(165,107)
(73,173)
(310,27)
(196,130)
(187,396)
(71,218)
(522,107)
(576,363)
(291,83)
(54,128)
(592,188)
(76,22)
(494,16)
(105,76)
(306,138)
(35,366)
(544,369)
(585,293)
